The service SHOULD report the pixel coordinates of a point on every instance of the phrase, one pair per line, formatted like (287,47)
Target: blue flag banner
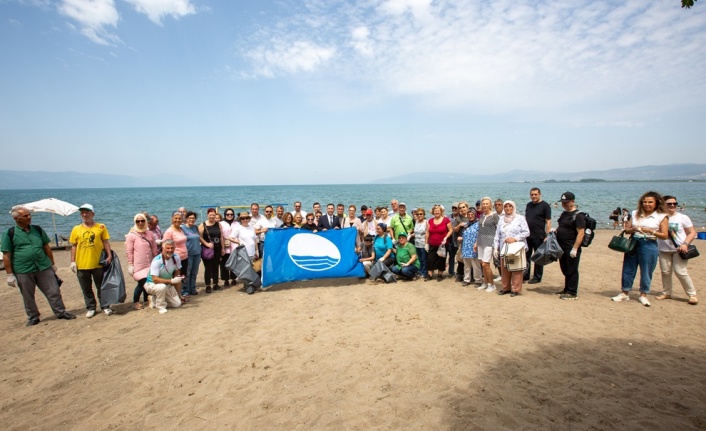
(297,254)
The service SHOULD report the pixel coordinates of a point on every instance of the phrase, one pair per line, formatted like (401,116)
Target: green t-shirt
(398,226)
(404,254)
(27,250)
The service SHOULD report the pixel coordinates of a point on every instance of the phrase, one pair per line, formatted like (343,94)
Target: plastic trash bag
(380,270)
(113,286)
(240,264)
(548,252)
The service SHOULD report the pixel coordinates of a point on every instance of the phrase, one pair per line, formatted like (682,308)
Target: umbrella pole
(56,235)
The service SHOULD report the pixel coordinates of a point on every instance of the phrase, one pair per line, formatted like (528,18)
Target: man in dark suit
(329,220)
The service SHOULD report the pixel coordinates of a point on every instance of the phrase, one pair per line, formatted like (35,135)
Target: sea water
(116,207)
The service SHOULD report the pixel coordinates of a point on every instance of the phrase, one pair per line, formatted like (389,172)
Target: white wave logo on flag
(312,252)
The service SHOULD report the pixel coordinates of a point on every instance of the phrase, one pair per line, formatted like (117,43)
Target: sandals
(662,296)
(185,298)
(137,305)
(693,300)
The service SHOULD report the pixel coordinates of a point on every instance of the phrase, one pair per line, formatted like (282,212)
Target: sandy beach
(350,354)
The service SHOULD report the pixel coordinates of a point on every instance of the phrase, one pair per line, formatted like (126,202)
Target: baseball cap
(368,212)
(567,196)
(402,204)
(86,207)
(404,234)
(454,205)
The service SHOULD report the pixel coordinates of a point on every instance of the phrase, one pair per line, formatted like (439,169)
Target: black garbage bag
(548,252)
(240,264)
(113,286)
(380,270)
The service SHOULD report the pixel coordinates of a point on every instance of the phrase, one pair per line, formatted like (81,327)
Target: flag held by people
(295,254)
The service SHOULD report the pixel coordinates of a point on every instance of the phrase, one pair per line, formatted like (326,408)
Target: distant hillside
(642,173)
(10,180)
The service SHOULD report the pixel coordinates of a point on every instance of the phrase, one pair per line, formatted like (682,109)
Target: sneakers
(90,313)
(498,278)
(568,297)
(151,300)
(693,300)
(108,311)
(162,310)
(490,288)
(208,289)
(644,301)
(465,283)
(483,286)
(534,281)
(622,296)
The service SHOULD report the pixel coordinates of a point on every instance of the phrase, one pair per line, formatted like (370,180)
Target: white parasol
(53,206)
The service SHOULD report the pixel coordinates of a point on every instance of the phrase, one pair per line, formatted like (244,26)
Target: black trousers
(532,245)
(570,268)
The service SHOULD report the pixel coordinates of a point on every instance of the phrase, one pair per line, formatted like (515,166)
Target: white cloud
(93,16)
(503,55)
(157,9)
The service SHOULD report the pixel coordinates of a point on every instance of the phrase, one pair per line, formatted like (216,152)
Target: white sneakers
(90,313)
(162,310)
(150,299)
(108,311)
(622,296)
(490,288)
(483,286)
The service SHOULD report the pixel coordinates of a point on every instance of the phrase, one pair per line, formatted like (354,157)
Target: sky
(310,91)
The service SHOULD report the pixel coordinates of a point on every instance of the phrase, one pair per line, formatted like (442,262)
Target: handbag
(207,253)
(691,250)
(514,256)
(621,243)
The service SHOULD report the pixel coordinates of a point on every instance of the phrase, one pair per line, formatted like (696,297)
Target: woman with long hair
(177,234)
(681,234)
(211,237)
(649,223)
(227,225)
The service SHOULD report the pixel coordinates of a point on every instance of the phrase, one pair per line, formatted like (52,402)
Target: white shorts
(485,254)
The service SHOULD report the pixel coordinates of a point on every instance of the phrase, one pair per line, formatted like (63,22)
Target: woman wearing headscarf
(383,246)
(649,223)
(141,248)
(682,234)
(438,232)
(487,226)
(227,225)
(211,237)
(512,228)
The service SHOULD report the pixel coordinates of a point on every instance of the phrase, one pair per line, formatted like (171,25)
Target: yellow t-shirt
(89,244)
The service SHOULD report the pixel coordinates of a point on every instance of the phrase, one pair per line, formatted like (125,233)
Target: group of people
(466,244)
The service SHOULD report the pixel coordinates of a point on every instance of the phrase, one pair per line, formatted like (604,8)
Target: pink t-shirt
(437,232)
(179,241)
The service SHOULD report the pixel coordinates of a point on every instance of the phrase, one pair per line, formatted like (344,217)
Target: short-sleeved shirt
(163,269)
(405,224)
(381,245)
(405,253)
(89,244)
(677,223)
(537,215)
(27,250)
(566,231)
(488,224)
(437,232)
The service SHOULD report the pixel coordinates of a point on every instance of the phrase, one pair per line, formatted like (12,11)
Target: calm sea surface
(116,207)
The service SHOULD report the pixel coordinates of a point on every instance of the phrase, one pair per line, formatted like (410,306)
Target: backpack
(11,232)
(590,231)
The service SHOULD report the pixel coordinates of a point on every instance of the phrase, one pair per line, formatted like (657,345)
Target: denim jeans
(645,257)
(422,256)
(188,286)
(406,271)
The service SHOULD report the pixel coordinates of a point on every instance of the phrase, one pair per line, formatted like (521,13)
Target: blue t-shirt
(193,244)
(381,245)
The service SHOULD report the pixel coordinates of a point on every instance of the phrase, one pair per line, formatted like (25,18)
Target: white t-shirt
(677,223)
(301,212)
(246,236)
(650,222)
(264,222)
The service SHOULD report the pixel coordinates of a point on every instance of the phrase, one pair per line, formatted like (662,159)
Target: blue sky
(280,92)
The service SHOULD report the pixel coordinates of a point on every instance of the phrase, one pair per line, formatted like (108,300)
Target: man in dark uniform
(572,226)
(539,220)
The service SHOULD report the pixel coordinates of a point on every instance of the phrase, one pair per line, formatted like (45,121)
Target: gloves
(495,252)
(573,252)
(130,269)
(426,247)
(380,260)
(73,267)
(176,280)
(552,230)
(12,280)
(53,268)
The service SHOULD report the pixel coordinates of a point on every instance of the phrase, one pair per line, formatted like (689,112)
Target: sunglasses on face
(140,221)
(671,204)
(245,218)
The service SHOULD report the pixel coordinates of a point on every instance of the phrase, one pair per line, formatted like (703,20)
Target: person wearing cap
(569,235)
(368,224)
(363,210)
(88,240)
(401,222)
(366,255)
(29,263)
(538,214)
(407,263)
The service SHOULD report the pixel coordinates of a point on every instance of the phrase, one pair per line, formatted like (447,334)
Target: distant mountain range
(13,180)
(678,172)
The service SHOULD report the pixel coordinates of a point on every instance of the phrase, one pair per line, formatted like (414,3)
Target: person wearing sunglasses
(211,237)
(298,210)
(681,235)
(269,221)
(246,235)
(310,223)
(227,225)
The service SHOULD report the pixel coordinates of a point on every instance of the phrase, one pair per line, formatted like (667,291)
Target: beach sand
(348,354)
